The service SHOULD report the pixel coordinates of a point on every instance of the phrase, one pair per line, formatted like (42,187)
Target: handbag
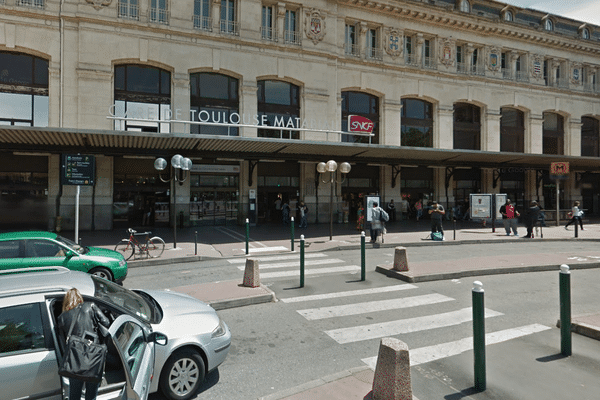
(84,357)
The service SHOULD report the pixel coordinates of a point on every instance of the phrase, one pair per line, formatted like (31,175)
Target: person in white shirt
(576,214)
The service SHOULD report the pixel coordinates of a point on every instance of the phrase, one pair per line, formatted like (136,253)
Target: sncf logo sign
(359,124)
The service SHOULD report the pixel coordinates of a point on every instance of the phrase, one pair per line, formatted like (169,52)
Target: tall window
(290,29)
(590,137)
(142,92)
(351,46)
(464,6)
(467,126)
(585,33)
(129,9)
(416,123)
(554,134)
(159,12)
(365,105)
(512,130)
(214,98)
(508,16)
(548,24)
(228,17)
(409,56)
(280,103)
(373,49)
(202,18)
(267,27)
(428,58)
(23,90)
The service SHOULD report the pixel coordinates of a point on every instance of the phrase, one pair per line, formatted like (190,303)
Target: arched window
(142,92)
(214,98)
(279,102)
(464,6)
(512,130)
(548,24)
(554,134)
(364,105)
(508,16)
(24,90)
(467,126)
(585,33)
(590,137)
(417,123)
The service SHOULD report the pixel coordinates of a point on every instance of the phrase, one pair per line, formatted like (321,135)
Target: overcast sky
(581,10)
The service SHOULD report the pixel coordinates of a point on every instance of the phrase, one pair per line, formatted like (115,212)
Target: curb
(245,301)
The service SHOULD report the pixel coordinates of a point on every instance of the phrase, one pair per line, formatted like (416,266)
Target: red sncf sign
(359,124)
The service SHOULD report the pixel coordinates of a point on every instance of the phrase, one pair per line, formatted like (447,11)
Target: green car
(47,249)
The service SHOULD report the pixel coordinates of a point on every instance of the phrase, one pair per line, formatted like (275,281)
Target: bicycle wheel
(125,247)
(156,246)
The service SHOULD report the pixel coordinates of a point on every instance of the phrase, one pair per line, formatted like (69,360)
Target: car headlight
(122,262)
(219,330)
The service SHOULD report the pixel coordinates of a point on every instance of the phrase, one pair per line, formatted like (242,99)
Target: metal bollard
(479,336)
(565,310)
(247,235)
(196,243)
(301,261)
(362,256)
(292,233)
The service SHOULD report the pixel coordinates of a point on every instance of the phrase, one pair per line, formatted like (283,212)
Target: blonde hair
(577,203)
(72,299)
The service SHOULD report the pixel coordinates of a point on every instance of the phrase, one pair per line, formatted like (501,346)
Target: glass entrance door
(214,207)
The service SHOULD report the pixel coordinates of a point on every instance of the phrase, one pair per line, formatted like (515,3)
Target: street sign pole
(77,214)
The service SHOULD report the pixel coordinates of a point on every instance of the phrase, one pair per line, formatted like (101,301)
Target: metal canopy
(55,140)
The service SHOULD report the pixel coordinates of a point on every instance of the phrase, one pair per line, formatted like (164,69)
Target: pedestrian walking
(285,213)
(360,219)
(85,318)
(391,210)
(509,217)
(437,213)
(576,214)
(303,210)
(533,215)
(378,218)
(419,208)
(405,207)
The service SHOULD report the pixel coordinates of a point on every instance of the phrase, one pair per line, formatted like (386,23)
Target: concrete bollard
(400,259)
(251,274)
(392,373)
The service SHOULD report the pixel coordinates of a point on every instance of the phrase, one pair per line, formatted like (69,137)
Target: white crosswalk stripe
(360,292)
(296,264)
(278,258)
(316,271)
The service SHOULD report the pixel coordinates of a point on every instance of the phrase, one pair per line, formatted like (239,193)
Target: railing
(507,73)
(374,53)
(462,68)
(203,23)
(230,27)
(522,76)
(129,11)
(158,16)
(429,63)
(269,34)
(411,59)
(352,50)
(30,3)
(478,70)
(292,37)
(562,83)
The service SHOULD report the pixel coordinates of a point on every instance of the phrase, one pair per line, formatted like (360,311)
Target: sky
(580,10)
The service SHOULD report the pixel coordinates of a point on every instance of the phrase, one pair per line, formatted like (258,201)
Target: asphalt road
(280,345)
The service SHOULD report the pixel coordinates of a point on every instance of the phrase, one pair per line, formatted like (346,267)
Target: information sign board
(77,169)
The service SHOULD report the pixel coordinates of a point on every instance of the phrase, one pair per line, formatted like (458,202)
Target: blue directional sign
(78,169)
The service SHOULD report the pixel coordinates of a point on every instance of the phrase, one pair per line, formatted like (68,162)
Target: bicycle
(153,248)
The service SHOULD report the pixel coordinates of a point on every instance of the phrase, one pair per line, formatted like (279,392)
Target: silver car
(193,339)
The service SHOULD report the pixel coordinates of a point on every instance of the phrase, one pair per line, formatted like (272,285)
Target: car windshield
(70,244)
(123,298)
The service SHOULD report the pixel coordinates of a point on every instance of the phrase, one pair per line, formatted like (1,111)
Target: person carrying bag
(84,354)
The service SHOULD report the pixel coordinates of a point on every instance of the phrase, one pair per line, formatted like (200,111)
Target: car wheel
(182,375)
(102,272)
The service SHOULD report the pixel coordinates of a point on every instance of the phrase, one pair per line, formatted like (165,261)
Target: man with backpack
(378,217)
(509,217)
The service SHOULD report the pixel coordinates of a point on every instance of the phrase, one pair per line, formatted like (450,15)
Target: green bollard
(362,256)
(565,310)
(479,336)
(292,233)
(301,261)
(247,235)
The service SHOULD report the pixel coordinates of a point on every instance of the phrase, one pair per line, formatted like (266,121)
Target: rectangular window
(21,329)
(267,28)
(351,47)
(373,48)
(129,9)
(31,3)
(159,12)
(228,17)
(292,35)
(202,18)
(409,54)
(428,58)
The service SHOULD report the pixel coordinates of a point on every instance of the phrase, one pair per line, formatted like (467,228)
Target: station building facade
(465,96)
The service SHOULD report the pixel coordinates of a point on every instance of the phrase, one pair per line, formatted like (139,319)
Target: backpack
(437,236)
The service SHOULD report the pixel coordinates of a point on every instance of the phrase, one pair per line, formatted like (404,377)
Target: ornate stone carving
(447,52)
(576,73)
(537,66)
(393,42)
(98,4)
(494,63)
(315,25)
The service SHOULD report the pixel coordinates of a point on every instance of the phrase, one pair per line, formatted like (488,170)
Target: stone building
(464,96)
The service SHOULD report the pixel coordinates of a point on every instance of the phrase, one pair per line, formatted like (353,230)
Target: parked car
(47,249)
(197,340)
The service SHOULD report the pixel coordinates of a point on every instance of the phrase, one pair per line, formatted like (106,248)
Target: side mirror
(158,338)
(70,254)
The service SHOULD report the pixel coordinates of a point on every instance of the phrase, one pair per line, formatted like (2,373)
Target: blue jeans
(76,387)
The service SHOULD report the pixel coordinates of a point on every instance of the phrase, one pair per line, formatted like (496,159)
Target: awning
(54,140)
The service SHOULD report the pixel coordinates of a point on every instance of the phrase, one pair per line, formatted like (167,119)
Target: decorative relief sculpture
(315,25)
(448,52)
(537,66)
(393,42)
(494,62)
(98,4)
(576,71)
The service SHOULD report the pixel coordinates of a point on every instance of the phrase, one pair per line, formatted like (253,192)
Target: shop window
(24,93)
(214,98)
(280,102)
(416,123)
(553,136)
(202,18)
(159,11)
(590,137)
(512,130)
(129,9)
(142,92)
(467,126)
(364,105)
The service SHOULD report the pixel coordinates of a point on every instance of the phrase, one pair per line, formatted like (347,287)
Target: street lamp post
(181,167)
(331,167)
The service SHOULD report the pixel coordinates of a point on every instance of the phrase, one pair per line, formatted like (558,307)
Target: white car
(192,339)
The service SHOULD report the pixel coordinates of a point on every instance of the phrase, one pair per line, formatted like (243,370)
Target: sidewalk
(205,243)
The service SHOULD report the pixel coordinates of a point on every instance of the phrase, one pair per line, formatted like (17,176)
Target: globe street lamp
(331,167)
(181,167)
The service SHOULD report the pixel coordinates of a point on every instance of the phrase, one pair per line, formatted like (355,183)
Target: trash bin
(58,224)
